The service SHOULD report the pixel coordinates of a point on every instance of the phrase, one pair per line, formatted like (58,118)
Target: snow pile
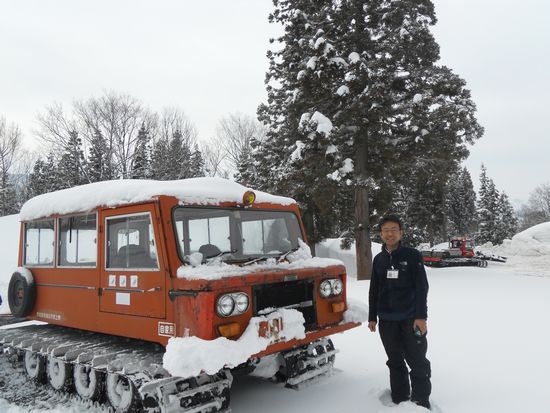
(201,191)
(9,247)
(217,269)
(357,312)
(534,241)
(189,356)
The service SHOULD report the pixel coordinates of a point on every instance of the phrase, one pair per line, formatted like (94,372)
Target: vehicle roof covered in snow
(197,191)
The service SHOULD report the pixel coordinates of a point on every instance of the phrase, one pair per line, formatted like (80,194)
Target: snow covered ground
(488,343)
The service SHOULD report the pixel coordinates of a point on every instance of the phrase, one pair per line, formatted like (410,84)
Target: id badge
(392,274)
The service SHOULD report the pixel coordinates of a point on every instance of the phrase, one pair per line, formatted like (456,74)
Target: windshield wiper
(253,260)
(290,251)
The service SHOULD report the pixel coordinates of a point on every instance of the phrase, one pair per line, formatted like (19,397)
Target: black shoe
(397,400)
(423,403)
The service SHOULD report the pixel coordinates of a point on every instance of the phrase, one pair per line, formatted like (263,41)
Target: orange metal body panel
(86,298)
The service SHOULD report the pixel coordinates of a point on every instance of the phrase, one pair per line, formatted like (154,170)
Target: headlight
(232,304)
(226,305)
(331,287)
(241,303)
(337,286)
(325,289)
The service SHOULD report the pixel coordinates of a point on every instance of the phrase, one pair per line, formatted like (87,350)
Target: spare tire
(21,294)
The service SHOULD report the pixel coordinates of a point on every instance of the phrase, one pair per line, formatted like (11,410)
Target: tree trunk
(309,227)
(362,213)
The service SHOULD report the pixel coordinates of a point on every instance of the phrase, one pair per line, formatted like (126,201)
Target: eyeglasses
(390,230)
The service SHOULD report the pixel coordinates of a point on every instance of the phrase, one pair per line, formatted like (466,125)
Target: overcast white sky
(208,58)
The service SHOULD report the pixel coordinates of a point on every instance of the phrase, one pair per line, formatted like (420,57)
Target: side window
(39,242)
(78,241)
(131,243)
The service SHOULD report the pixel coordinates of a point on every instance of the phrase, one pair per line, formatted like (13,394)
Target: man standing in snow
(398,299)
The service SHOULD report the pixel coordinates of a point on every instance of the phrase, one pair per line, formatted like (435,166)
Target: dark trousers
(401,344)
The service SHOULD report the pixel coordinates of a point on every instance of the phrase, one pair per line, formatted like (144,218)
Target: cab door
(132,276)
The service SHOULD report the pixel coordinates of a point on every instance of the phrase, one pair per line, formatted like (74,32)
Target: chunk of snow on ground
(84,198)
(354,57)
(342,90)
(534,241)
(357,311)
(268,366)
(189,356)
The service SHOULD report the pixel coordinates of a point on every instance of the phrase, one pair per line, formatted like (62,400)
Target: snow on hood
(217,269)
(189,356)
(202,191)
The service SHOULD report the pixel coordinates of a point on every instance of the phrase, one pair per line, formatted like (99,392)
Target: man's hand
(372,326)
(421,324)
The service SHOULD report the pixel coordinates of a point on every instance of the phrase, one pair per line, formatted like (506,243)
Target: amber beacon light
(249,197)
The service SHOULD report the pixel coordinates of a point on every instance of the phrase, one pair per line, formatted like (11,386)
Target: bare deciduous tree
(234,133)
(537,209)
(10,147)
(174,120)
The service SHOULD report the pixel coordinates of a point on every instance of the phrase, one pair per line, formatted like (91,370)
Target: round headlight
(337,287)
(225,305)
(241,302)
(325,289)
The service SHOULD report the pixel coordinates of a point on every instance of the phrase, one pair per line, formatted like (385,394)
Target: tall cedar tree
(71,167)
(99,166)
(487,209)
(461,204)
(141,159)
(356,100)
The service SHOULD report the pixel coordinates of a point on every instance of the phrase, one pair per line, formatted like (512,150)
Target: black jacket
(402,298)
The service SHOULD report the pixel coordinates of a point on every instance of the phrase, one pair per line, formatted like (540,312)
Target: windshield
(239,234)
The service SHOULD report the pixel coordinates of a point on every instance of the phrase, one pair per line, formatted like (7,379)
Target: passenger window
(131,243)
(39,242)
(78,241)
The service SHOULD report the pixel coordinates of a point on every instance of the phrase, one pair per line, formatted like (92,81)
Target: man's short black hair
(389,218)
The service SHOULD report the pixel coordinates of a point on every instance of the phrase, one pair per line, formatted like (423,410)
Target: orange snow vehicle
(120,270)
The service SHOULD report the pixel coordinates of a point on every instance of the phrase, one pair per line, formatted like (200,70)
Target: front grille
(291,294)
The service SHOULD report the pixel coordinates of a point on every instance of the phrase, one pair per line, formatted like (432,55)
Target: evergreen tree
(355,100)
(197,168)
(37,183)
(160,160)
(52,175)
(487,209)
(507,220)
(461,204)
(71,166)
(180,158)
(140,161)
(98,167)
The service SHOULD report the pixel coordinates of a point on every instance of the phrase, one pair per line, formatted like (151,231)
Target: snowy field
(488,343)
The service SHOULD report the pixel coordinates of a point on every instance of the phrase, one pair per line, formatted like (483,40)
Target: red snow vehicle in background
(460,253)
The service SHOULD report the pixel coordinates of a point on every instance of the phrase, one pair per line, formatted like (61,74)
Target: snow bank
(83,198)
(189,356)
(217,269)
(534,241)
(9,247)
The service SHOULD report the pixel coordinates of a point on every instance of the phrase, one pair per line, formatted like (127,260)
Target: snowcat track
(306,363)
(139,363)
